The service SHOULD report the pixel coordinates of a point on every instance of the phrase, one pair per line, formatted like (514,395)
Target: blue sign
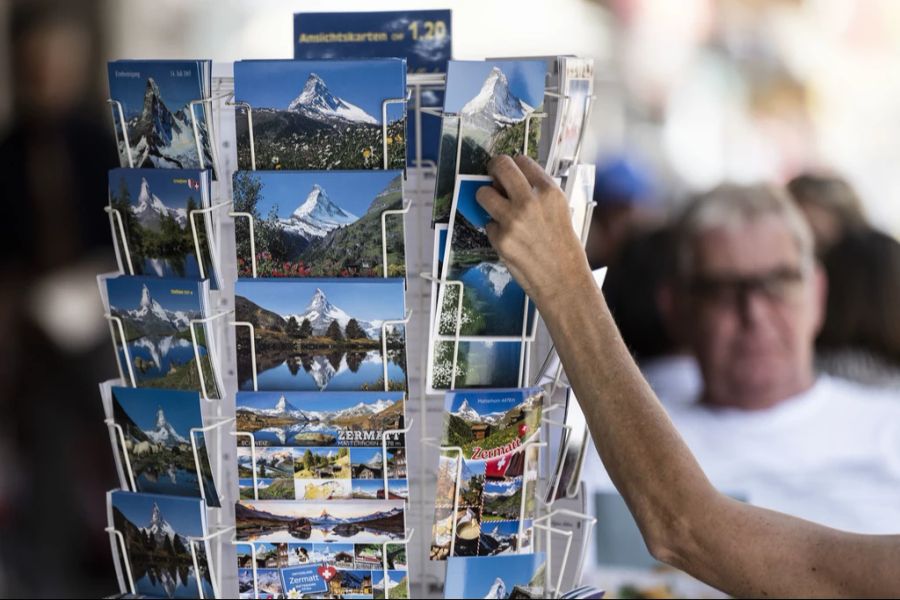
(303,580)
(421,36)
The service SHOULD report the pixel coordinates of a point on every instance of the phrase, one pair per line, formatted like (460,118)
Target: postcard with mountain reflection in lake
(321,334)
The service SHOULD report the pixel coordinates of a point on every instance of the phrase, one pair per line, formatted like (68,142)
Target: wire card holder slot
(115,325)
(230,101)
(251,222)
(120,239)
(131,485)
(193,543)
(118,118)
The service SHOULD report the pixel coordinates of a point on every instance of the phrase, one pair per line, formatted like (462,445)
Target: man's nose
(752,306)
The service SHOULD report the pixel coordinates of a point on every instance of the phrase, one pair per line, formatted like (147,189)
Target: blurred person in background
(748,300)
(829,204)
(860,339)
(623,191)
(54,238)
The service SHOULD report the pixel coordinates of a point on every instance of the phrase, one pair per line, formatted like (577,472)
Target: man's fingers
(495,203)
(507,173)
(533,172)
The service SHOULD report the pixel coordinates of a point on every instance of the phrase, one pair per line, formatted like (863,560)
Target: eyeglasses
(779,285)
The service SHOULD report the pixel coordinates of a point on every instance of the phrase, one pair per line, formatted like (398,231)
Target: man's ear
(820,296)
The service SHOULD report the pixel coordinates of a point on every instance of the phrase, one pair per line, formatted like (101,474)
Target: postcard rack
(550,523)
(424,411)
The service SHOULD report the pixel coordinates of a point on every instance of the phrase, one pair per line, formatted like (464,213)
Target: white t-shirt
(830,455)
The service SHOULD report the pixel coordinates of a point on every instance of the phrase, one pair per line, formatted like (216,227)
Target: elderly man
(748,299)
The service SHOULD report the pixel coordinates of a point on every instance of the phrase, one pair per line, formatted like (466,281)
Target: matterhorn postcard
(158,533)
(487,108)
(496,578)
(156,427)
(321,334)
(489,423)
(320,115)
(155,316)
(156,97)
(155,208)
(320,223)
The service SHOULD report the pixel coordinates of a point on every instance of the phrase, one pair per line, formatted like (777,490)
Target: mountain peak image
(159,529)
(495,103)
(164,432)
(498,590)
(317,216)
(467,413)
(321,313)
(317,102)
(163,136)
(150,209)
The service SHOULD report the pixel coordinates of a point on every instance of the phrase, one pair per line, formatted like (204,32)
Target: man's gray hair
(731,205)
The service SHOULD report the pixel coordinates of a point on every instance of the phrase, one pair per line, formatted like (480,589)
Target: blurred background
(690,94)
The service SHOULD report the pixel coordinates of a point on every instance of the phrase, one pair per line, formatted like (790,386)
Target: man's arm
(737,548)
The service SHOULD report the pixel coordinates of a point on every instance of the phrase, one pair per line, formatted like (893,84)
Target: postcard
(155,207)
(156,97)
(153,526)
(479,363)
(320,115)
(157,428)
(321,335)
(491,511)
(486,108)
(577,83)
(347,569)
(156,316)
(520,576)
(278,521)
(493,303)
(320,223)
(328,419)
(490,423)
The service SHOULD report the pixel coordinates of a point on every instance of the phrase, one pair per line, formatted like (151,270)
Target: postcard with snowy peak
(157,428)
(320,115)
(521,576)
(493,303)
(321,334)
(486,107)
(321,419)
(278,521)
(489,423)
(322,446)
(156,317)
(157,531)
(320,223)
(305,569)
(155,96)
(155,207)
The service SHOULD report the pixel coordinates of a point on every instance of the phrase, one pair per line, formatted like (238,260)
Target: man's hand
(532,229)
